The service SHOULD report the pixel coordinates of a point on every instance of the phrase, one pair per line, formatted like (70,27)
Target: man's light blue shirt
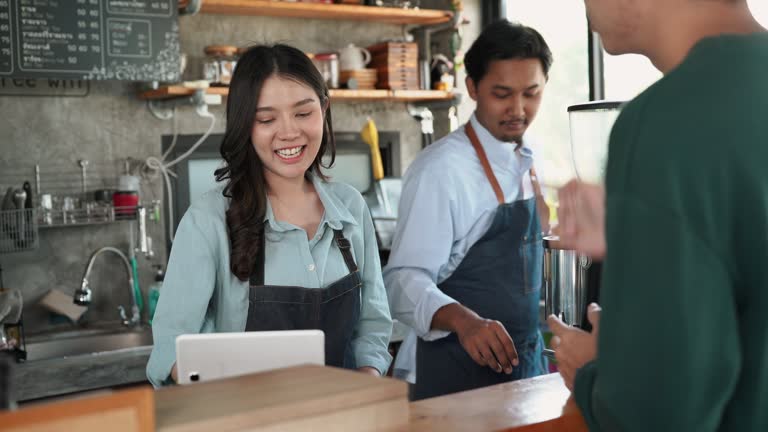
(447,204)
(201,295)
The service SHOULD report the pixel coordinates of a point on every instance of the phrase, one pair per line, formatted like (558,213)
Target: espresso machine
(571,279)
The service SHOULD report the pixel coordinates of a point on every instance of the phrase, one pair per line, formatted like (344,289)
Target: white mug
(352,57)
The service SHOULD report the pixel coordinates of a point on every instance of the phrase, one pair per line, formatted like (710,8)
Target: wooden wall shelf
(326,11)
(168,92)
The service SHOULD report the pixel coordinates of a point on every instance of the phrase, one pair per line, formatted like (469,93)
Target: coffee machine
(571,279)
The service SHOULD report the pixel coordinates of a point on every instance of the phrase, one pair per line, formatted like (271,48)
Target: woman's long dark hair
(243,170)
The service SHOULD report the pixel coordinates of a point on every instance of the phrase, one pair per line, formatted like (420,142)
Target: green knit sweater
(683,342)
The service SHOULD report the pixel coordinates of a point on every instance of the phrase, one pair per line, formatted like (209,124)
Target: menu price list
(6,44)
(129,38)
(89,39)
(56,37)
(140,7)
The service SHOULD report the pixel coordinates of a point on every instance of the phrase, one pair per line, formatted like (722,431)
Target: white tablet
(210,356)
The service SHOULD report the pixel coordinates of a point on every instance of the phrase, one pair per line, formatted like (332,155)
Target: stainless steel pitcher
(565,282)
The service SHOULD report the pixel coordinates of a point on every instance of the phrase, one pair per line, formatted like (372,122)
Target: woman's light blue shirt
(201,295)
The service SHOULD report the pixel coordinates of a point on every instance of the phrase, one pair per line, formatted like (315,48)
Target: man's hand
(486,341)
(574,347)
(581,218)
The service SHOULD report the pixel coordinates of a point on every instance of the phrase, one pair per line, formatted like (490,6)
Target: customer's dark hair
(243,170)
(505,40)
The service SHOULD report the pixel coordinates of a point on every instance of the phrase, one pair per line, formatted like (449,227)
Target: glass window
(759,9)
(627,75)
(566,35)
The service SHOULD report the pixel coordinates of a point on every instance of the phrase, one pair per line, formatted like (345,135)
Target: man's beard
(515,139)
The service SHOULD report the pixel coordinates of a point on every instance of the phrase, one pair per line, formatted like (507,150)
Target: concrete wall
(112,124)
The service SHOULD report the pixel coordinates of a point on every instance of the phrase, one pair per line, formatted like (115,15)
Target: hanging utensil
(28,203)
(19,198)
(8,200)
(371,136)
(27,187)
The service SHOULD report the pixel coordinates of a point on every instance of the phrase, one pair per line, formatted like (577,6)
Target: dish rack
(18,230)
(69,193)
(93,214)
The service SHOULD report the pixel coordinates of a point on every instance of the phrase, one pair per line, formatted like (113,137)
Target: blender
(571,279)
(591,125)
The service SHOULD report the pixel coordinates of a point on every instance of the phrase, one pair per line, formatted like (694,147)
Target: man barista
(466,263)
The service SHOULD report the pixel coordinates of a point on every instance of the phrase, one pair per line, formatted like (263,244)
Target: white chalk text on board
(43,87)
(127,40)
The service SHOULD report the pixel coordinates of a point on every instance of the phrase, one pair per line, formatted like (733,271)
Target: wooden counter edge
(140,401)
(540,404)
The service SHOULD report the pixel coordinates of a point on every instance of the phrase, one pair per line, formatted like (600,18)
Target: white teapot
(353,57)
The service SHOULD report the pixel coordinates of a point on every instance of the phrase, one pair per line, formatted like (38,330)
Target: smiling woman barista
(258,251)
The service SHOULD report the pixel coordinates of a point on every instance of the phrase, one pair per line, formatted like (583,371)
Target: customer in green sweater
(682,344)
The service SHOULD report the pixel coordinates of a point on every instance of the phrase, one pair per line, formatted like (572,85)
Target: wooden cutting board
(301,398)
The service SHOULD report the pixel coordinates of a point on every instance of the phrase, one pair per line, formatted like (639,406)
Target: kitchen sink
(65,362)
(73,344)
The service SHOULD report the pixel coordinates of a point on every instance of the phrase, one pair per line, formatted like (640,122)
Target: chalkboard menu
(135,40)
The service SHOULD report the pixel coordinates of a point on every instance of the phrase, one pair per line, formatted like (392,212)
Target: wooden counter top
(538,404)
(312,398)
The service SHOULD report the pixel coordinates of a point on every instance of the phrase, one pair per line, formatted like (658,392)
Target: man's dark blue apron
(500,278)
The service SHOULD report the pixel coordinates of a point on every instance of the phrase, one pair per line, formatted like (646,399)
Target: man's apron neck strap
(470,131)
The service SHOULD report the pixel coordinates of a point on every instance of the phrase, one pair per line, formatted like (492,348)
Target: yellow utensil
(371,136)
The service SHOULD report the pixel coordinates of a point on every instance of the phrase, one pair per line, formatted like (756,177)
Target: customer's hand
(573,346)
(581,218)
(488,343)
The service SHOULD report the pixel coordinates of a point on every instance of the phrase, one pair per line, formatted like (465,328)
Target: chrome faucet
(82,296)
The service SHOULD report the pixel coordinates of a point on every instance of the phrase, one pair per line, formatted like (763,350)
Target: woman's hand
(581,218)
(369,370)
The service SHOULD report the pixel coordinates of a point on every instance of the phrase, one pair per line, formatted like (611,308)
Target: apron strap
(535,182)
(346,250)
(257,278)
(470,131)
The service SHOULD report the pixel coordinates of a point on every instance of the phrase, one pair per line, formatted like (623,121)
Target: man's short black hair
(505,40)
